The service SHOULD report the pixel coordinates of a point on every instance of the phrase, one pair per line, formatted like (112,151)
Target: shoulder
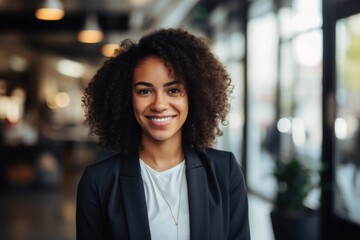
(107,164)
(219,157)
(104,170)
(226,165)
(220,161)
(217,154)
(224,168)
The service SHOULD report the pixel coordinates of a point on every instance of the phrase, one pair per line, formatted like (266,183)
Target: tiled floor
(39,214)
(50,215)
(36,216)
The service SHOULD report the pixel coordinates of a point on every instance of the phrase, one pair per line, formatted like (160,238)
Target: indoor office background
(295,67)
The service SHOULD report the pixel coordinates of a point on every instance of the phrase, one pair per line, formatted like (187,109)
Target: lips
(162,119)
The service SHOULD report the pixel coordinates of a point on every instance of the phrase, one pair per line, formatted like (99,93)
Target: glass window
(297,123)
(306,15)
(347,123)
(230,50)
(307,104)
(262,67)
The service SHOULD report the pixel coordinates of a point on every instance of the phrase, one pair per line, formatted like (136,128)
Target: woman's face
(160,101)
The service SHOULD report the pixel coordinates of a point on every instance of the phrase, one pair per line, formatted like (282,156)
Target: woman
(158,103)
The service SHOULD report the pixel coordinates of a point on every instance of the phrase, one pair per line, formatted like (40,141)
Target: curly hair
(107,99)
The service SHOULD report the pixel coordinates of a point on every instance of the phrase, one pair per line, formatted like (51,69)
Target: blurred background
(295,65)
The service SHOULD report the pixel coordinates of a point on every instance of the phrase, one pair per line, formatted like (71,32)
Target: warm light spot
(50,102)
(90,36)
(62,99)
(13,111)
(139,3)
(108,50)
(49,14)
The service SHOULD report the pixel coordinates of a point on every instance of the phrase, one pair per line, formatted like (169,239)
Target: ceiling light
(139,3)
(112,43)
(91,33)
(108,50)
(51,10)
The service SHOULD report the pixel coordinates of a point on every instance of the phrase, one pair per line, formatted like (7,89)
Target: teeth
(159,120)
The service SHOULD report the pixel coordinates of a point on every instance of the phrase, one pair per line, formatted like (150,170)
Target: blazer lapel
(198,196)
(134,199)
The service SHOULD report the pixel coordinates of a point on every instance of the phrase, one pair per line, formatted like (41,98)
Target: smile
(160,120)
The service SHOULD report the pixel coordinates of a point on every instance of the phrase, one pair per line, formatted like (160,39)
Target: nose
(159,103)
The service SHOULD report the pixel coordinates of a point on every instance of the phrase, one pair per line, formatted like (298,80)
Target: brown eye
(174,90)
(144,92)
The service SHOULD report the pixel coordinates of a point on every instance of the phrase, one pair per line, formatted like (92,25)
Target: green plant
(295,181)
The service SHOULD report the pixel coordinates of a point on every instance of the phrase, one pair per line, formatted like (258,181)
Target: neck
(161,156)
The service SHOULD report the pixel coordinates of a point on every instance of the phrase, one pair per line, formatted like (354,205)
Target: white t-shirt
(166,184)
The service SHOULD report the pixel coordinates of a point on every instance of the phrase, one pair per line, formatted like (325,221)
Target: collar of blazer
(133,192)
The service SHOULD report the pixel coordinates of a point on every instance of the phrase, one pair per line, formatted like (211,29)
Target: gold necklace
(176,219)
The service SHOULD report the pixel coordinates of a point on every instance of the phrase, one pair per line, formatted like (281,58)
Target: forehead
(152,67)
(152,60)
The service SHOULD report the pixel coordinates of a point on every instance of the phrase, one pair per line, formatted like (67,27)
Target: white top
(162,190)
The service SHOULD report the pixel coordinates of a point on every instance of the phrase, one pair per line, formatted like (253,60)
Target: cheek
(184,106)
(137,104)
(137,113)
(136,108)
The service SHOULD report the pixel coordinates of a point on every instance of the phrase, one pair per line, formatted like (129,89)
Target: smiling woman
(159,103)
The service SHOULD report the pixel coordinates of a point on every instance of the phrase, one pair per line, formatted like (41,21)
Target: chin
(160,137)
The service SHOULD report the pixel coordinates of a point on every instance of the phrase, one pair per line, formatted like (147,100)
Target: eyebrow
(165,85)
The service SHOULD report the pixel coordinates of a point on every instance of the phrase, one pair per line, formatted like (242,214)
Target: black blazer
(111,199)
